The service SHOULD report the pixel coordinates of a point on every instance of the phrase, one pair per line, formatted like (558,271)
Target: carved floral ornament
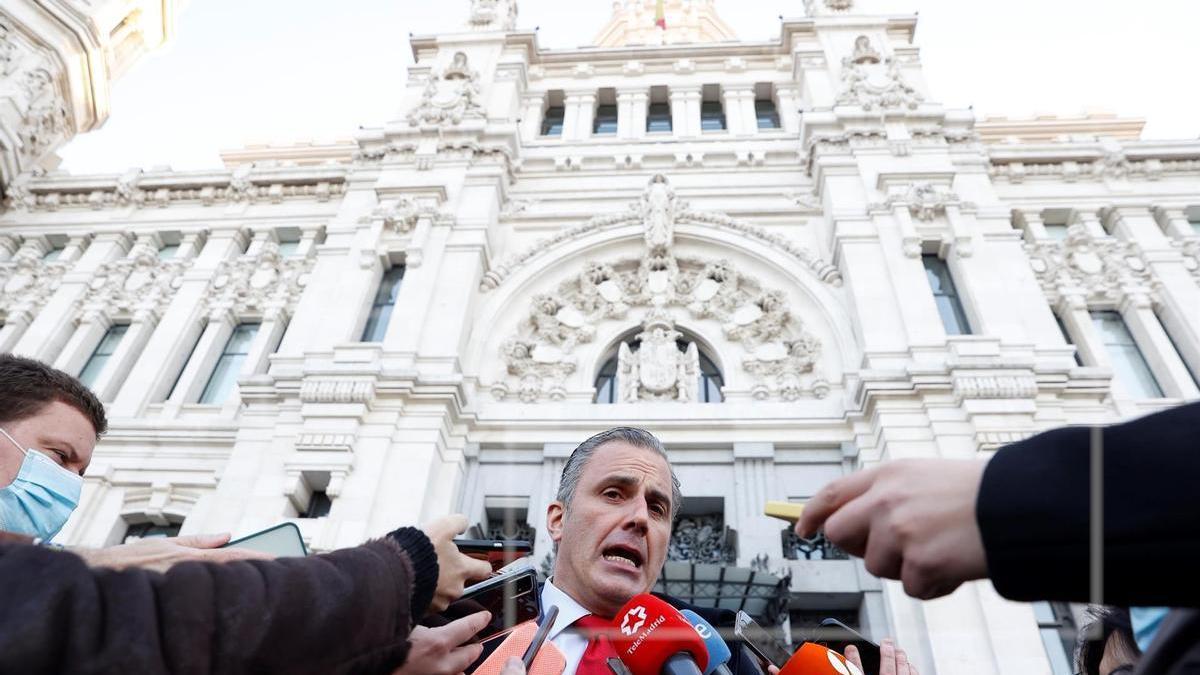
(448,97)
(259,284)
(27,282)
(1097,269)
(925,201)
(874,85)
(139,282)
(659,289)
(399,215)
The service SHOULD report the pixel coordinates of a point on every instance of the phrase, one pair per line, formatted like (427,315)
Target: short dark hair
(27,386)
(1103,622)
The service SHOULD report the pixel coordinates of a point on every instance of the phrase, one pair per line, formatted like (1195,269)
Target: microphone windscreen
(549,660)
(813,659)
(648,631)
(718,651)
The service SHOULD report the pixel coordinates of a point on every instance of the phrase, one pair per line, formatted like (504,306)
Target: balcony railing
(816,548)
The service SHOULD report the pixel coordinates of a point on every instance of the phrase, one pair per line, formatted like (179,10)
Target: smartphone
(512,598)
(281,541)
(759,640)
(496,552)
(837,636)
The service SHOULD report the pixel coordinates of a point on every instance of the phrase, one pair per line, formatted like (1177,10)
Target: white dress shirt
(570,641)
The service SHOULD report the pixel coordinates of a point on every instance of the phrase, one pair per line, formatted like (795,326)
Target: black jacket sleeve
(1033,512)
(344,612)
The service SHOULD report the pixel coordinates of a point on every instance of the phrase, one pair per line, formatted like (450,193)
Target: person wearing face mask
(49,426)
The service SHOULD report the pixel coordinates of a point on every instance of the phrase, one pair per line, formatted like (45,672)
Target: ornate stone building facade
(784,258)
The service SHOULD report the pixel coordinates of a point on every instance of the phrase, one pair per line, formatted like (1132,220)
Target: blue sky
(281,71)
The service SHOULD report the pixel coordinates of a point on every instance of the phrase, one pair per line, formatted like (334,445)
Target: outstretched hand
(159,554)
(912,520)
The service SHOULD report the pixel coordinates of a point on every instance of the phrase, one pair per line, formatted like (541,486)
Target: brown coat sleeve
(342,612)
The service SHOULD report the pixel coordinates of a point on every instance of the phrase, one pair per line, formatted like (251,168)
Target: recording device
(784,511)
(718,651)
(813,659)
(652,638)
(837,636)
(547,659)
(510,596)
(281,541)
(496,552)
(759,640)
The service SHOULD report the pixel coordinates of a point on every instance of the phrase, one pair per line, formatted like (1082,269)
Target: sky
(283,71)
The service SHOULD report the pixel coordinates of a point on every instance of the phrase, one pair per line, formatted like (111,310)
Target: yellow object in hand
(784,511)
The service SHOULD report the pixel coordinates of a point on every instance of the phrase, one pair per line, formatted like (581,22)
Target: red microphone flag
(648,632)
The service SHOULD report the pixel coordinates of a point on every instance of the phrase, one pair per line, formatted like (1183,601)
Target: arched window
(708,391)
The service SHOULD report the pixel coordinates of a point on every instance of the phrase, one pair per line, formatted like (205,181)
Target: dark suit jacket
(1033,513)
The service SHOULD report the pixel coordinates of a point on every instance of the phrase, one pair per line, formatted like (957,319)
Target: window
(1175,345)
(288,248)
(712,116)
(1194,221)
(1056,231)
(658,117)
(606,120)
(138,531)
(104,351)
(381,308)
(168,251)
(1128,363)
(767,114)
(708,388)
(225,373)
(946,296)
(552,121)
(53,254)
(1057,626)
(319,505)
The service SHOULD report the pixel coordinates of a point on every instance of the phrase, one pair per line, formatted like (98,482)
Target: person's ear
(554,520)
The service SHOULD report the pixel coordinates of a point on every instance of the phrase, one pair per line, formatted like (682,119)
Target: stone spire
(636,22)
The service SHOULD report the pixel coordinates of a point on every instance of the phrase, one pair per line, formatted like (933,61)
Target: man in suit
(611,523)
(1023,520)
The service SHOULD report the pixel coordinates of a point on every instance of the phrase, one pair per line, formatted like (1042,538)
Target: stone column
(754,485)
(682,124)
(121,362)
(1073,311)
(533,106)
(1156,346)
(1034,226)
(788,98)
(221,323)
(580,112)
(631,112)
(736,121)
(83,341)
(9,245)
(1175,223)
(1091,223)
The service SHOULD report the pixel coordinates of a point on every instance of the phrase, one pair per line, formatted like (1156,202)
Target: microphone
(549,660)
(718,651)
(652,638)
(814,659)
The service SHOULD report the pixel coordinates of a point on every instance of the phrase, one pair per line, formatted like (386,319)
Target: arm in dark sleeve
(1033,513)
(346,611)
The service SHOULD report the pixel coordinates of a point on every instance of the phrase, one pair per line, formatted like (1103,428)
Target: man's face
(60,431)
(613,540)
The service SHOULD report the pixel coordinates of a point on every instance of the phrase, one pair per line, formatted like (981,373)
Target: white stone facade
(791,257)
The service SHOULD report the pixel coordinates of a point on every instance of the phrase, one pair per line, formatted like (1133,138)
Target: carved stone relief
(27,282)
(493,15)
(873,85)
(449,97)
(139,282)
(863,51)
(1095,268)
(398,215)
(259,284)
(924,200)
(781,353)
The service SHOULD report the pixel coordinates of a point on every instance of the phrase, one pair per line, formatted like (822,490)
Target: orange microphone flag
(549,661)
(660,16)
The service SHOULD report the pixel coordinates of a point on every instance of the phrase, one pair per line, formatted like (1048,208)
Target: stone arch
(710,364)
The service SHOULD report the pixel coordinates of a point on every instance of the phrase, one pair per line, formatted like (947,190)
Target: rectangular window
(319,505)
(381,308)
(139,531)
(658,117)
(1128,363)
(1175,345)
(1067,336)
(1056,231)
(552,121)
(1057,628)
(168,251)
(225,373)
(712,116)
(606,120)
(946,296)
(53,254)
(288,248)
(767,114)
(104,351)
(1195,223)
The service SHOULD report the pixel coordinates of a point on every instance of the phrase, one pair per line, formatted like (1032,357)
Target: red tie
(599,649)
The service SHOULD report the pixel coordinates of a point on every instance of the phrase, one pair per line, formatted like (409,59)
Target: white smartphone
(281,541)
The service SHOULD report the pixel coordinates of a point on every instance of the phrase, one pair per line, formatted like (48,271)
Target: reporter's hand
(912,520)
(159,554)
(455,569)
(440,651)
(892,659)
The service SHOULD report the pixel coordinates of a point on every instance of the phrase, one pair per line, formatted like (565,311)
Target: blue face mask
(1145,622)
(40,498)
